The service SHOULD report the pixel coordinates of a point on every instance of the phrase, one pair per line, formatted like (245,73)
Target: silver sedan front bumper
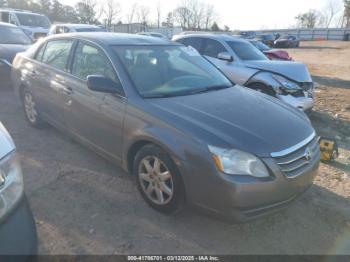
(303,103)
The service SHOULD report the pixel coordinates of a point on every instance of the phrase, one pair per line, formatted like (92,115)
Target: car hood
(8,52)
(292,70)
(6,143)
(236,118)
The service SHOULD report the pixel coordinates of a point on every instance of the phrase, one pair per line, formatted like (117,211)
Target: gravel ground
(84,205)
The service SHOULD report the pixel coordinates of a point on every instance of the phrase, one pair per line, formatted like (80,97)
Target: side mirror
(104,85)
(225,56)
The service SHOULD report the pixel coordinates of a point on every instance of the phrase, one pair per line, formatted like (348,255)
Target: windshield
(13,35)
(33,20)
(161,71)
(267,37)
(246,51)
(91,29)
(157,35)
(260,45)
(287,37)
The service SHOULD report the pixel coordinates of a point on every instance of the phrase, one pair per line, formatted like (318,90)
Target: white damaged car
(245,65)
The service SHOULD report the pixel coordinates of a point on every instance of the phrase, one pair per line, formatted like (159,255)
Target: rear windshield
(268,37)
(33,20)
(246,51)
(90,29)
(287,37)
(13,35)
(260,45)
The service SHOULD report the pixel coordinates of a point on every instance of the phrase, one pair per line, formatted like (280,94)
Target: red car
(272,54)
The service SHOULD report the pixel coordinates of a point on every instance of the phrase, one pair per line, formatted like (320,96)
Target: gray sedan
(172,119)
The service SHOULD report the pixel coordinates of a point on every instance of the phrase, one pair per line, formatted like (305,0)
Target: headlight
(236,162)
(285,83)
(11,183)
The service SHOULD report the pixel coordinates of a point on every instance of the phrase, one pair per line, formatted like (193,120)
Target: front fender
(264,78)
(159,137)
(174,145)
(144,122)
(141,128)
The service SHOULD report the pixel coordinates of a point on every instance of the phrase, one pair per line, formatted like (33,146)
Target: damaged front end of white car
(297,94)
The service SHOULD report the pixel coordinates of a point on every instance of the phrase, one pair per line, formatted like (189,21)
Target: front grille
(296,160)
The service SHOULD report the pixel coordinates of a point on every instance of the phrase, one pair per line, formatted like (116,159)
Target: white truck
(34,25)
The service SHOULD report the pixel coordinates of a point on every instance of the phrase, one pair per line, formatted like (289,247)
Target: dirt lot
(329,64)
(84,205)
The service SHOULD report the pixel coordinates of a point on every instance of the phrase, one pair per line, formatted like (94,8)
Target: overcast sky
(239,14)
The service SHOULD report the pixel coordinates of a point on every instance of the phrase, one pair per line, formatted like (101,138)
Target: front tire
(30,109)
(158,180)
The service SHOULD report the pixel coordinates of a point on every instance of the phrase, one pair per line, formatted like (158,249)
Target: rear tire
(30,109)
(158,180)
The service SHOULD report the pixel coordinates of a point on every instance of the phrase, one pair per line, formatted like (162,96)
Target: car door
(50,85)
(36,77)
(95,118)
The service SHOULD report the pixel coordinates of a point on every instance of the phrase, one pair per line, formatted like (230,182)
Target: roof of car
(149,33)
(78,25)
(116,38)
(222,37)
(18,11)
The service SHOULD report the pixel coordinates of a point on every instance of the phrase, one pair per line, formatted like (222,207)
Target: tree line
(190,14)
(335,14)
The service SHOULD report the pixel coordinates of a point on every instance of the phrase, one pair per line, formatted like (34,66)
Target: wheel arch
(262,79)
(137,144)
(140,143)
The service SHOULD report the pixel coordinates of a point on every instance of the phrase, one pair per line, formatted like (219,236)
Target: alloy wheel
(156,180)
(29,106)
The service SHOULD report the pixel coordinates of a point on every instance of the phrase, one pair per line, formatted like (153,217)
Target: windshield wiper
(209,88)
(197,91)
(160,95)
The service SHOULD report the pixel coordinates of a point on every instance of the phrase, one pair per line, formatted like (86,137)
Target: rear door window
(57,54)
